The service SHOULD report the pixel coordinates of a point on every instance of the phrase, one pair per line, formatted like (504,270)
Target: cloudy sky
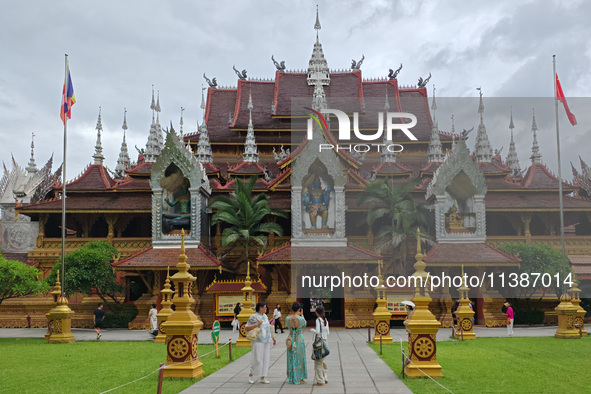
(118,49)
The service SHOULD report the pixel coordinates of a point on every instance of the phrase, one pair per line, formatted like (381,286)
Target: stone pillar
(464,314)
(381,315)
(422,328)
(246,310)
(182,326)
(566,313)
(166,309)
(580,315)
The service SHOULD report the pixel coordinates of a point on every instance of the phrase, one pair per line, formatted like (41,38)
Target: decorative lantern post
(166,309)
(60,318)
(567,313)
(422,327)
(580,315)
(55,292)
(381,315)
(182,326)
(464,313)
(246,310)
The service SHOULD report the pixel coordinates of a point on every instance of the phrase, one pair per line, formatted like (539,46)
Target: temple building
(478,199)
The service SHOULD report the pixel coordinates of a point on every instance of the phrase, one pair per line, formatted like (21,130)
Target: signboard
(394,304)
(225,303)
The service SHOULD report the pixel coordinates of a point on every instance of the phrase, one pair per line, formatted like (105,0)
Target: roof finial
(153,104)
(512,160)
(251,153)
(32,167)
(181,130)
(482,148)
(453,125)
(434,104)
(98,148)
(123,161)
(536,157)
(203,107)
(157,109)
(317,24)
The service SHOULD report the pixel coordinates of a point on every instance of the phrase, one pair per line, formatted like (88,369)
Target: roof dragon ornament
(280,66)
(393,74)
(213,83)
(241,75)
(357,65)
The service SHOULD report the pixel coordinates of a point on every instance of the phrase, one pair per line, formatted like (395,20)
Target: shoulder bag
(319,348)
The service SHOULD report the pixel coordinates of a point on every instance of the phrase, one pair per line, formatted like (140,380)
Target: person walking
(277,318)
(322,330)
(153,320)
(235,322)
(510,318)
(297,369)
(261,347)
(98,318)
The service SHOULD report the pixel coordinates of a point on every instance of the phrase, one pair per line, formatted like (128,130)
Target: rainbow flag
(68,99)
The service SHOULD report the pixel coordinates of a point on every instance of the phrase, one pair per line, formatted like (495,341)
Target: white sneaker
(265,381)
(251,380)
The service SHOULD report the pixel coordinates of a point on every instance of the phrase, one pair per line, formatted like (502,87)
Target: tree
(537,259)
(18,279)
(396,217)
(89,271)
(247,216)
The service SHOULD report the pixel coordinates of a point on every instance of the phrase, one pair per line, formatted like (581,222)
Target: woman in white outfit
(320,371)
(261,348)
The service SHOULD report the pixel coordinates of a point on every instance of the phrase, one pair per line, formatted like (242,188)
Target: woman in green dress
(297,369)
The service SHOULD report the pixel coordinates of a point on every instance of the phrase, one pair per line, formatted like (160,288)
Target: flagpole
(559,179)
(66,86)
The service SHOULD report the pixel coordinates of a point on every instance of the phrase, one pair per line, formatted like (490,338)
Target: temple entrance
(333,302)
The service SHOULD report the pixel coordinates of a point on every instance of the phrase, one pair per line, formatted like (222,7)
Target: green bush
(119,320)
(530,317)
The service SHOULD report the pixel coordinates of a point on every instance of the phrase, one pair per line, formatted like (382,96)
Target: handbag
(289,339)
(508,321)
(272,322)
(253,334)
(319,348)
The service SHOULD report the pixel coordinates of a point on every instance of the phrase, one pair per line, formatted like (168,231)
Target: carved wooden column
(42,222)
(526,220)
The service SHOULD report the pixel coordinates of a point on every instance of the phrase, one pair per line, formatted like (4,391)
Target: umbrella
(409,303)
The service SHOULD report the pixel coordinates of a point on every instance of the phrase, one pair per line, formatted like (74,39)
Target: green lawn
(33,366)
(504,365)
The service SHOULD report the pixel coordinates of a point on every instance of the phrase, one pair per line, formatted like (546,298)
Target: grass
(33,366)
(494,365)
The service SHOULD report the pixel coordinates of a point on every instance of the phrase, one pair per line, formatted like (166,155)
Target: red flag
(562,99)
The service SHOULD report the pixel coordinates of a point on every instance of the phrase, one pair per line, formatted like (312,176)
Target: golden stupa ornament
(381,315)
(246,311)
(182,326)
(166,310)
(464,313)
(422,327)
(59,318)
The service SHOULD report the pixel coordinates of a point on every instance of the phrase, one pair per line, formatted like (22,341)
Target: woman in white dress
(320,370)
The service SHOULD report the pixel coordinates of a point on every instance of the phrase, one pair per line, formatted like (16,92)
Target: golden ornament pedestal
(166,310)
(182,326)
(580,315)
(567,314)
(381,316)
(464,315)
(59,326)
(244,314)
(422,328)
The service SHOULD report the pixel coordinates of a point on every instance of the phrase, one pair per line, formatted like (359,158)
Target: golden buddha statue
(456,221)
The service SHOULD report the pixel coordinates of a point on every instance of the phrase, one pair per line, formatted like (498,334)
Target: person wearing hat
(510,318)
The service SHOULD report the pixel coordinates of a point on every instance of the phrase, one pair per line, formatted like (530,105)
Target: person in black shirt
(99,316)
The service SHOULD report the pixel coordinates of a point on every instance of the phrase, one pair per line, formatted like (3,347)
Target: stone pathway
(353,367)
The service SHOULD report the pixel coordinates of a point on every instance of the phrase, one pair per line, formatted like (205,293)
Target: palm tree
(246,216)
(396,215)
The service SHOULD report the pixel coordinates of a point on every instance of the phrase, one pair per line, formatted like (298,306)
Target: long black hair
(320,312)
(296,306)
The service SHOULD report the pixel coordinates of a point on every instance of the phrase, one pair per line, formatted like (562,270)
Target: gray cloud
(119,49)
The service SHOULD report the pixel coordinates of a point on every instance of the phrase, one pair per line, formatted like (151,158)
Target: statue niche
(318,200)
(176,201)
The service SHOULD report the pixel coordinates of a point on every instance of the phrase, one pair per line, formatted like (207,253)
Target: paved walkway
(353,367)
